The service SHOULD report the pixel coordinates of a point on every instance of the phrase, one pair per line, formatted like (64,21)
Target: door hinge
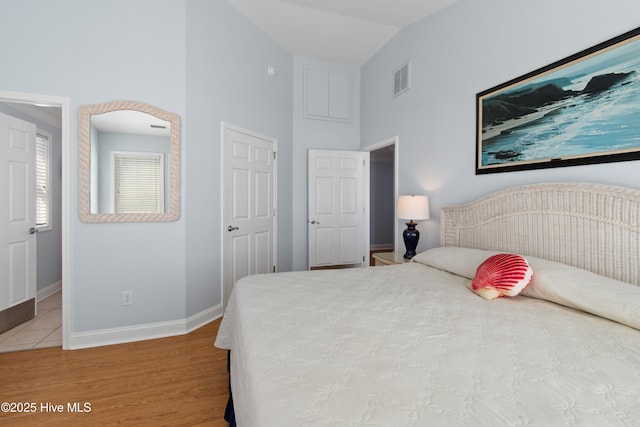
(274,268)
(362,258)
(274,155)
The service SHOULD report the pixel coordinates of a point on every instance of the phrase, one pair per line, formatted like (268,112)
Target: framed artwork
(583,109)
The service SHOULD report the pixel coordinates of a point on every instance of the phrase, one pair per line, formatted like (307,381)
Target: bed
(412,345)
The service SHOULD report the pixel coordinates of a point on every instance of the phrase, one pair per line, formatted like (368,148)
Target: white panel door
(17,222)
(249,206)
(338,207)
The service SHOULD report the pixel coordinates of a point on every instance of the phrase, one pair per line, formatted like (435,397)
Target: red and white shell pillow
(501,275)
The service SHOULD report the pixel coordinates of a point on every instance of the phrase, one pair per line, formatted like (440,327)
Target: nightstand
(389,258)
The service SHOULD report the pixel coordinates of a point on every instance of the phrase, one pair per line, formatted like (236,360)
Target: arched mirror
(129,163)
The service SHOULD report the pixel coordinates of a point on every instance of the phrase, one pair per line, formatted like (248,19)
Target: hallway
(45,330)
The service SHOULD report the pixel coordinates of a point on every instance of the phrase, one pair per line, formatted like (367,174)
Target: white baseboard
(207,316)
(49,290)
(144,332)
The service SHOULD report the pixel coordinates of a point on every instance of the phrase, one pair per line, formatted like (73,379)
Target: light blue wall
(227,59)
(93,52)
(200,59)
(465,49)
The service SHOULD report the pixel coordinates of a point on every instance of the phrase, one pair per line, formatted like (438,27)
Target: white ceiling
(48,114)
(131,121)
(346,32)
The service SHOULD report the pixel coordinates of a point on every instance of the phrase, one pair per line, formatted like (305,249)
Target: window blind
(138,183)
(43,181)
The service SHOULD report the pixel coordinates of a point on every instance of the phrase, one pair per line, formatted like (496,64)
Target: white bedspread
(410,345)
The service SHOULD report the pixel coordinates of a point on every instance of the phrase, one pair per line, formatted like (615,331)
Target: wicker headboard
(591,226)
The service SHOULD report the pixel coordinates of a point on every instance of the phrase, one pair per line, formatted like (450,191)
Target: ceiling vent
(401,79)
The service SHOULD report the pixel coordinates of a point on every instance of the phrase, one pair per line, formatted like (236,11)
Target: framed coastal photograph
(583,109)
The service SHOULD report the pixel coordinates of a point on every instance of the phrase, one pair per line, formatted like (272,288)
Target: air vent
(401,79)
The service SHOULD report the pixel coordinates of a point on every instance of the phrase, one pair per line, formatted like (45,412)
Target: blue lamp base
(411,237)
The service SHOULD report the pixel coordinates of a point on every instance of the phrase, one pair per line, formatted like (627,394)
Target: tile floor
(45,330)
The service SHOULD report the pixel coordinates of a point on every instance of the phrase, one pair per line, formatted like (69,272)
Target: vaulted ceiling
(346,32)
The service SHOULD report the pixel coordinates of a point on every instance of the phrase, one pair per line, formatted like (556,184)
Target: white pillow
(583,290)
(552,281)
(461,261)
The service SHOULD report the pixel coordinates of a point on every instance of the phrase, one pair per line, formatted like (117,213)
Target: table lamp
(412,208)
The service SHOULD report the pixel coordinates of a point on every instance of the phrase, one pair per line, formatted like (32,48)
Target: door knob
(33,230)
(230,228)
(313,221)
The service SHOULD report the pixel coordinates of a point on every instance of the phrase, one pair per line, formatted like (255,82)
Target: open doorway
(383,194)
(51,116)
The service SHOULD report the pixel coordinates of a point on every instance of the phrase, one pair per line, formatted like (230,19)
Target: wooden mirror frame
(84,164)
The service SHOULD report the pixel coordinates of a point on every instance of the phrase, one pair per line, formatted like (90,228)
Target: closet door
(338,208)
(249,206)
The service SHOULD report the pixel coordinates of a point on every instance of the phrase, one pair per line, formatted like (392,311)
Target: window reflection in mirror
(128,152)
(129,159)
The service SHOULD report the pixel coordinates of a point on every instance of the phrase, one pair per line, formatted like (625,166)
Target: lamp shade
(413,207)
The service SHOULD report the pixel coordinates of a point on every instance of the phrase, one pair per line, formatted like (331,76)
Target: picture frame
(583,109)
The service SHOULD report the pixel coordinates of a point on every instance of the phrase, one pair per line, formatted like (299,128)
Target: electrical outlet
(127,297)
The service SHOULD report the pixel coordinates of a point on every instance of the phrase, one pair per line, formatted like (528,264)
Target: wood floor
(176,381)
